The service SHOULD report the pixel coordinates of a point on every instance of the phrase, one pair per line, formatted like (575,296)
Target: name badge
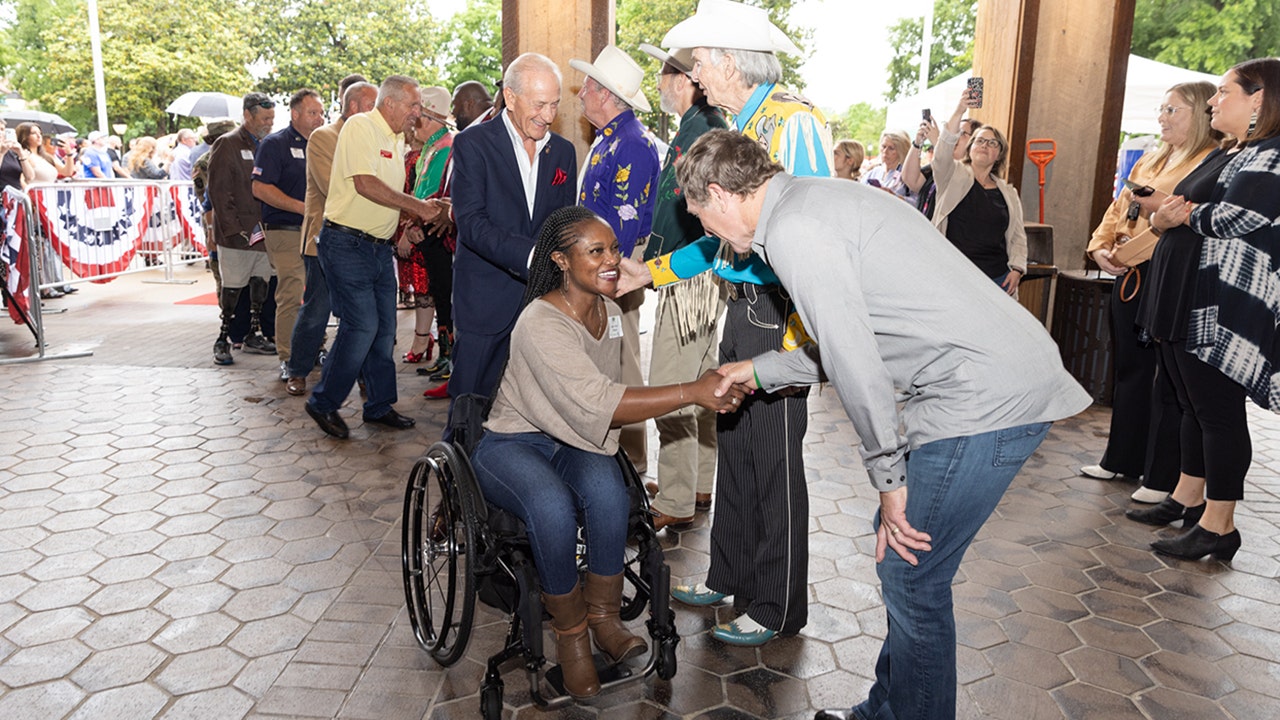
(385,153)
(246,154)
(615,326)
(298,153)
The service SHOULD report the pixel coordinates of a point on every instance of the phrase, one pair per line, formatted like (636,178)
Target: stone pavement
(180,541)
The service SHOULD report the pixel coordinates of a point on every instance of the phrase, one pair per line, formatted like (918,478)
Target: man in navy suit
(509,174)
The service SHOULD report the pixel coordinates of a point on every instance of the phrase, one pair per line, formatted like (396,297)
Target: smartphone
(10,135)
(926,115)
(1138,190)
(975,92)
(873,182)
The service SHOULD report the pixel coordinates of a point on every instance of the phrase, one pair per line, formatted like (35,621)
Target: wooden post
(1057,70)
(562,30)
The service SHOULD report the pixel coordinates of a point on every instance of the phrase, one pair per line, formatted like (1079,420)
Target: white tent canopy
(1145,85)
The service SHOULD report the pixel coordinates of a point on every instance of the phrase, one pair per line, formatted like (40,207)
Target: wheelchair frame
(455,548)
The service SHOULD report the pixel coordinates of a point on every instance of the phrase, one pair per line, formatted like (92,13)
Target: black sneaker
(443,374)
(222,352)
(259,345)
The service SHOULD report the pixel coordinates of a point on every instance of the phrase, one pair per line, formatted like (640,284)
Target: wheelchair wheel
(666,661)
(437,548)
(491,699)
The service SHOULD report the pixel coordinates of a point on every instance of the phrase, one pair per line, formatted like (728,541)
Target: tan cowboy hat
(730,25)
(680,59)
(618,73)
(435,103)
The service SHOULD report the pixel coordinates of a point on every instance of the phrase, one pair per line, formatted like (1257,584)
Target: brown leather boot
(573,645)
(604,599)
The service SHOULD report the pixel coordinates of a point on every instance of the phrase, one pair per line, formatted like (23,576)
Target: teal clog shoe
(696,594)
(733,635)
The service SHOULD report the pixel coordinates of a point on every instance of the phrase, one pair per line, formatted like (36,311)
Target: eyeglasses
(1169,110)
(264,104)
(988,142)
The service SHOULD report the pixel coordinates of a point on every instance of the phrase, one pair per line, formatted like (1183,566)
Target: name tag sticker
(615,326)
(246,154)
(298,153)
(386,154)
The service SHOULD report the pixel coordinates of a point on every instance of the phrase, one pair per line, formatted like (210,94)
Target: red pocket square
(560,177)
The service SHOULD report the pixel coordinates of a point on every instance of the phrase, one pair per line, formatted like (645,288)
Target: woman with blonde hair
(849,155)
(1142,432)
(141,165)
(888,174)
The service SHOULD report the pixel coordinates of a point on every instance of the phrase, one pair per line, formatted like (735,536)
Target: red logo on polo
(385,153)
(559,177)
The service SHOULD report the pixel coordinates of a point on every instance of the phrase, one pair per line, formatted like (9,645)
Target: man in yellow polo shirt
(355,251)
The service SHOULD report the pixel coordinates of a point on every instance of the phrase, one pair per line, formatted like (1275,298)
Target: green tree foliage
(473,45)
(1206,35)
(647,21)
(25,55)
(861,122)
(951,52)
(152,52)
(305,43)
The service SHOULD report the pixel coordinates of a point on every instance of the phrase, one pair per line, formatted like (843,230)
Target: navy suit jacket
(495,232)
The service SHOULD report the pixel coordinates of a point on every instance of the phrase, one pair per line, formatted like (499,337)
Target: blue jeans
(953,486)
(546,484)
(362,286)
(313,318)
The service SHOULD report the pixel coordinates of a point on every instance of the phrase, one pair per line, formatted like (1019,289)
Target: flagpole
(99,85)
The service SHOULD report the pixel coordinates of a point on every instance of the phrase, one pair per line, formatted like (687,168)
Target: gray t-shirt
(561,381)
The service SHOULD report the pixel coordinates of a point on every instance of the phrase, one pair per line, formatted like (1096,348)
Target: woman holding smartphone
(1210,306)
(1122,245)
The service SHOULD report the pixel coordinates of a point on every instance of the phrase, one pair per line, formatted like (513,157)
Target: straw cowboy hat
(618,73)
(730,25)
(680,59)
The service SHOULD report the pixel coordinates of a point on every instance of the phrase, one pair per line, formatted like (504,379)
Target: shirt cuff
(661,272)
(892,478)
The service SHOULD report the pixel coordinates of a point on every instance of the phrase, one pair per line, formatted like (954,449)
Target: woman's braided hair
(559,232)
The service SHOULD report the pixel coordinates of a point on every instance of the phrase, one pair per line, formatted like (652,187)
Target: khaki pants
(687,437)
(284,249)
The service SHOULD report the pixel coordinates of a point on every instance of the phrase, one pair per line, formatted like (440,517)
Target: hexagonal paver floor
(180,541)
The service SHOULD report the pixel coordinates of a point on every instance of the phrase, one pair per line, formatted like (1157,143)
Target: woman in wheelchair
(547,451)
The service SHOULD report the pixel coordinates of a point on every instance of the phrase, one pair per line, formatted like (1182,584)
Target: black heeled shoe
(1198,542)
(1168,511)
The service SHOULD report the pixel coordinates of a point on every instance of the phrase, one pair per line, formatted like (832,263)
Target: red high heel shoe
(439,392)
(414,358)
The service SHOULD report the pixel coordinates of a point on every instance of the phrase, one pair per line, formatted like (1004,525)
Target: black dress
(1171,282)
(977,228)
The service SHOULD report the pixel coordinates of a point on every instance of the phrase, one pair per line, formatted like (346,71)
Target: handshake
(723,388)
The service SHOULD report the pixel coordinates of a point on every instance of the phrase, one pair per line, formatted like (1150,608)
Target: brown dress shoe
(702,502)
(296,386)
(661,520)
(651,487)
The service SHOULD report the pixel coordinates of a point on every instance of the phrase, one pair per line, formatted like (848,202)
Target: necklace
(599,311)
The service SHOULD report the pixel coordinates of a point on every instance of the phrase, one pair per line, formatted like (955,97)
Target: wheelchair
(456,548)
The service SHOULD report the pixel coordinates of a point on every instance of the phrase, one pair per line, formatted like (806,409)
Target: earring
(1253,124)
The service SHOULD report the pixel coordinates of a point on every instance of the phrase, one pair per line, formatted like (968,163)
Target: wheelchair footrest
(607,671)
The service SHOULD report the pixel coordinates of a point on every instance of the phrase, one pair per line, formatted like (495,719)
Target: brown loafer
(651,487)
(661,520)
(702,502)
(296,386)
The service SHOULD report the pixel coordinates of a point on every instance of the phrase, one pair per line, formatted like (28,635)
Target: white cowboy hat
(435,101)
(730,25)
(680,59)
(618,73)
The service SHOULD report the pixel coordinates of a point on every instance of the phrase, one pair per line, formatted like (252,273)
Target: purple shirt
(620,179)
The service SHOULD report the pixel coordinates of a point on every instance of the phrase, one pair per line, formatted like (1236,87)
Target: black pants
(1215,429)
(439,264)
(1144,433)
(760,536)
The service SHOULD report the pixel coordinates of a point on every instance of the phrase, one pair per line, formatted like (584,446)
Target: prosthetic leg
(255,342)
(227,299)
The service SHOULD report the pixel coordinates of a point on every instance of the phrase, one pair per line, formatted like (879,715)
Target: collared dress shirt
(367,145)
(619,179)
(528,168)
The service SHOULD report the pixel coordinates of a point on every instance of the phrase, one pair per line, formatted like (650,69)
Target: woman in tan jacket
(1142,420)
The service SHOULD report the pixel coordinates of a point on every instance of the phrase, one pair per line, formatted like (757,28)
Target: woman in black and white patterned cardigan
(1214,304)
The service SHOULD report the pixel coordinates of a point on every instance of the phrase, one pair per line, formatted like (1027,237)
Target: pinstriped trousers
(760,533)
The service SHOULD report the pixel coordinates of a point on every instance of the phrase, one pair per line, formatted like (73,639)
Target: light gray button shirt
(918,343)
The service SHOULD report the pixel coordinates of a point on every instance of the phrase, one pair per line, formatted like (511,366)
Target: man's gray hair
(350,97)
(755,67)
(395,86)
(731,160)
(527,63)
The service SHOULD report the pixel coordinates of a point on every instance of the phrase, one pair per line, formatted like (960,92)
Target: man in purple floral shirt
(619,183)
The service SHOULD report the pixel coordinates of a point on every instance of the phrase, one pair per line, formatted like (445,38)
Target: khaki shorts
(237,266)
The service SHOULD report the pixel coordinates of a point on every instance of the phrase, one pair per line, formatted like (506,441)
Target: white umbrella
(206,105)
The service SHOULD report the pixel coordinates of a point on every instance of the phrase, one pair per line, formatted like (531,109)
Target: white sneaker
(1148,496)
(1097,472)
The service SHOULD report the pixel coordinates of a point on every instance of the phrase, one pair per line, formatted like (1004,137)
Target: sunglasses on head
(264,104)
